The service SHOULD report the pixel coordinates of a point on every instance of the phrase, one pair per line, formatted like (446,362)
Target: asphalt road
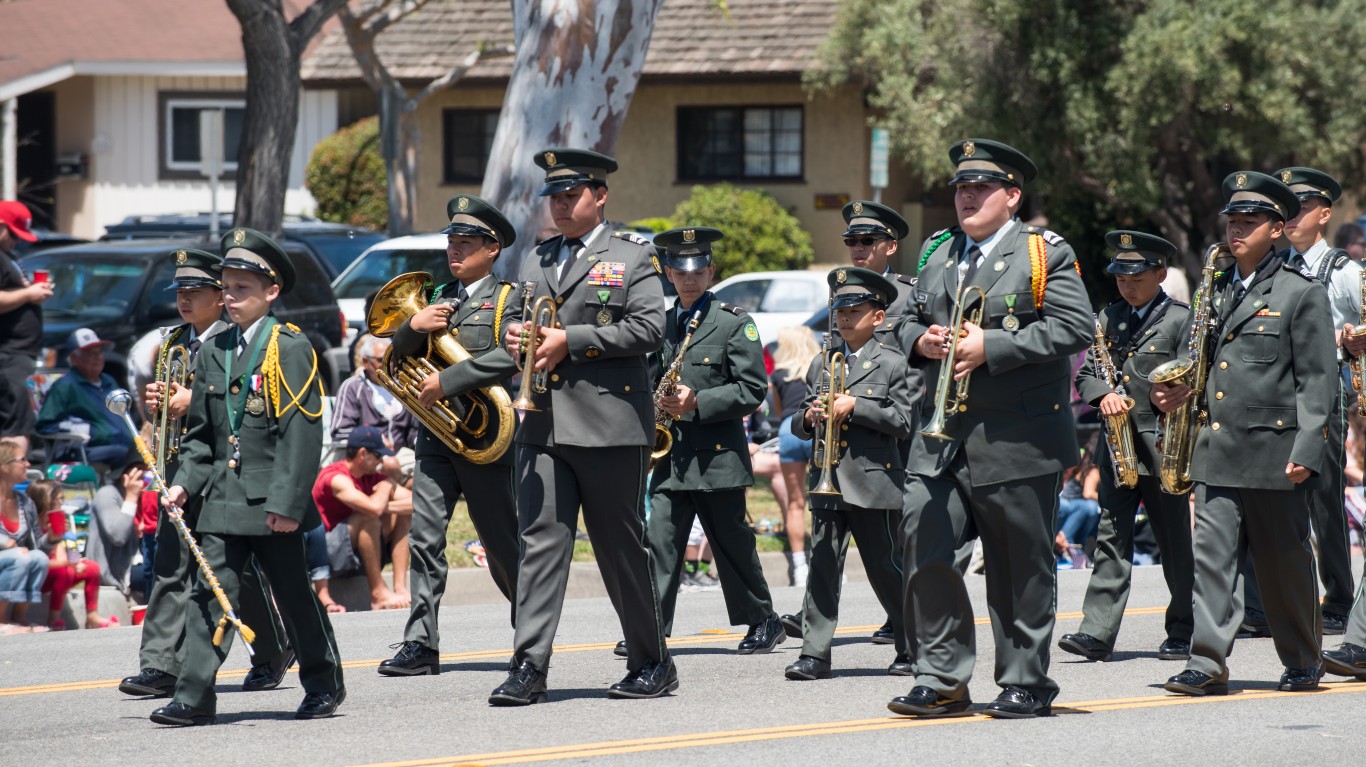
(58,701)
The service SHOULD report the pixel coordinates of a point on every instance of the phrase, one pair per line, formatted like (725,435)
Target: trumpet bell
(1172,370)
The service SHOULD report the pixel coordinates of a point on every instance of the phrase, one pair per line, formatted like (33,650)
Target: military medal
(604,316)
(256,404)
(1011,322)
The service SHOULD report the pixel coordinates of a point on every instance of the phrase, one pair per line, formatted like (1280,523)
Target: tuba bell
(482,434)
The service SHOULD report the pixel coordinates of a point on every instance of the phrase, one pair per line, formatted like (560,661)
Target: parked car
(46,239)
(118,289)
(334,246)
(775,299)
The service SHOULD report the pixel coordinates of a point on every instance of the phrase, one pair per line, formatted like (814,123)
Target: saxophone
(668,386)
(1177,430)
(1119,430)
(1356,363)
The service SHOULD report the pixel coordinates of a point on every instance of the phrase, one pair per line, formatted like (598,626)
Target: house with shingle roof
(100,103)
(720,99)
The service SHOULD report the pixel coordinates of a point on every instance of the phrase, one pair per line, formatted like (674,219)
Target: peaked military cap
(689,248)
(474,217)
(567,168)
(195,269)
(1308,183)
(1248,191)
(1137,252)
(854,285)
(979,159)
(252,251)
(865,217)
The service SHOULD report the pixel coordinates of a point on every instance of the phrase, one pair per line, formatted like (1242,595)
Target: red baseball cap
(17,217)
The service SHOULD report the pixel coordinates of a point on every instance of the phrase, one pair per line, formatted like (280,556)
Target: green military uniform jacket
(1272,380)
(611,305)
(724,366)
(901,306)
(1134,353)
(870,473)
(279,457)
(478,326)
(1017,422)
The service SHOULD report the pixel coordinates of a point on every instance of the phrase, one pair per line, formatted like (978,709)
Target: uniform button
(592,352)
(1223,366)
(843,443)
(626,388)
(210,387)
(1279,422)
(1131,354)
(559,300)
(1056,406)
(1152,348)
(1218,395)
(870,392)
(1228,337)
(558,326)
(888,465)
(706,359)
(1215,426)
(844,427)
(1126,379)
(1260,328)
(554,376)
(962,408)
(718,445)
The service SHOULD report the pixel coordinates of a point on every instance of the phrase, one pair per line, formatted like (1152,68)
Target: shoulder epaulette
(933,243)
(1181,304)
(1049,236)
(292,327)
(1298,273)
(906,279)
(635,237)
(733,309)
(1115,302)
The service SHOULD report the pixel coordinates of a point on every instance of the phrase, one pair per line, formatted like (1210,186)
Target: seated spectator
(66,567)
(75,403)
(362,401)
(114,540)
(320,568)
(366,516)
(1078,509)
(23,559)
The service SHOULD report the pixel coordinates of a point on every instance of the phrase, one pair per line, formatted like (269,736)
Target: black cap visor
(470,230)
(846,300)
(868,229)
(980,176)
(1131,267)
(688,262)
(564,184)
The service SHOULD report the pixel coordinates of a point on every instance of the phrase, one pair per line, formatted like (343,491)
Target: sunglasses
(864,241)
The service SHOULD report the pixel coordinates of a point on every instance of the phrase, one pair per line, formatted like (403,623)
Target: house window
(739,143)
(181,152)
(467,141)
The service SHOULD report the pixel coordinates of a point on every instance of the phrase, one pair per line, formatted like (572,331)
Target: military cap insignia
(180,256)
(690,235)
(751,332)
(1126,240)
(858,208)
(841,276)
(1240,180)
(238,237)
(549,158)
(463,203)
(1285,176)
(969,149)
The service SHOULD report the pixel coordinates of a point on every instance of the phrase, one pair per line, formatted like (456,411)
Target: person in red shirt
(67,568)
(363,518)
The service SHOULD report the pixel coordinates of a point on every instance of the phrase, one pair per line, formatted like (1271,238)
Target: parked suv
(118,289)
(335,246)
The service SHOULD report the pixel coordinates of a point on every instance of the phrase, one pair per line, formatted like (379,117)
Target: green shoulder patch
(751,332)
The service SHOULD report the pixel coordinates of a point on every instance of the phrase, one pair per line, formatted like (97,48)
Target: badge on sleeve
(751,332)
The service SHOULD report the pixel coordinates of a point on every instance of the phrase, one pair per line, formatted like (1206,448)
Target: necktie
(682,322)
(574,245)
(849,360)
(194,347)
(973,257)
(1134,321)
(241,341)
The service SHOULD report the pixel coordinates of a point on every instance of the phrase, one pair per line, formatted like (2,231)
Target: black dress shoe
(620,649)
(149,682)
(1085,645)
(902,666)
(652,681)
(1174,649)
(1347,660)
(413,659)
(1334,624)
(1017,703)
(883,635)
(181,715)
(320,705)
(1300,679)
(792,625)
(807,669)
(762,637)
(1195,683)
(268,675)
(924,702)
(1254,626)
(525,685)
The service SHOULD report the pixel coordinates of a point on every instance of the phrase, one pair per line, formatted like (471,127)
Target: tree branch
(481,51)
(306,25)
(394,14)
(362,42)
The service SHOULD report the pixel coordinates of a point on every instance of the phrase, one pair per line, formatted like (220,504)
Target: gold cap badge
(969,149)
(238,237)
(841,276)
(1240,180)
(549,158)
(1285,176)
(690,235)
(463,203)
(858,208)
(180,256)
(1126,240)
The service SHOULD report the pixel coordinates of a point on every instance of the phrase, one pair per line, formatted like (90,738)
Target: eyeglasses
(864,241)
(370,359)
(17,460)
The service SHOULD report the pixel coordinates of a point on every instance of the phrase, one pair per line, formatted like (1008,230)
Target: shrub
(347,178)
(657,224)
(760,233)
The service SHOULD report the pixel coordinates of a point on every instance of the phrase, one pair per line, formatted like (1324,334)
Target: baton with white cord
(117,402)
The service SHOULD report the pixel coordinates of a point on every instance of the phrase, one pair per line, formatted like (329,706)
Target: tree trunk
(398,142)
(577,66)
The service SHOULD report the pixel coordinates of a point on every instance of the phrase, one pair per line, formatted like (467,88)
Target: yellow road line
(709,637)
(725,737)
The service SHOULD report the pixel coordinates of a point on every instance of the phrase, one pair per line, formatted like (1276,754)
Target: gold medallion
(690,235)
(238,237)
(549,158)
(841,276)
(1011,323)
(969,148)
(256,404)
(1285,176)
(462,204)
(858,208)
(1126,240)
(180,256)
(604,318)
(1240,180)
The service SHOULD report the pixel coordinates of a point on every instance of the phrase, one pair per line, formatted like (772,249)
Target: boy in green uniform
(251,449)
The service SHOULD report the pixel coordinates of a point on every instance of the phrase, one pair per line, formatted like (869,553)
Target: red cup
(40,275)
(138,612)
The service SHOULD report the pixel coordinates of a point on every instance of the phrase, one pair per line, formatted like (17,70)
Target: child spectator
(788,383)
(66,567)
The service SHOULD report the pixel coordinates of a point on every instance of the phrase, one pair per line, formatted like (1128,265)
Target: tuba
(535,316)
(1177,430)
(485,430)
(1119,430)
(943,404)
(825,454)
(173,369)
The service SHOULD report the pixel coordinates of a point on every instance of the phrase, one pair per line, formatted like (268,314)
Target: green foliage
(1134,110)
(346,176)
(760,233)
(657,224)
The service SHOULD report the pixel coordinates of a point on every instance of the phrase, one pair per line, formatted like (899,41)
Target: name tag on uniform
(608,274)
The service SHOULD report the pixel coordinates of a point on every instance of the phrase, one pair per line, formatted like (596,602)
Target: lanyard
(237,409)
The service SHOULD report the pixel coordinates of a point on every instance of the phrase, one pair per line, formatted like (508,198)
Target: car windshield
(89,287)
(745,294)
(379,266)
(793,296)
(340,249)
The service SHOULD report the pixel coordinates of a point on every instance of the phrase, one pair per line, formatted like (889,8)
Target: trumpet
(825,454)
(173,370)
(542,314)
(944,403)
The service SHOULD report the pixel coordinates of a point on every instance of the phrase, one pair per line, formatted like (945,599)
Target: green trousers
(876,532)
